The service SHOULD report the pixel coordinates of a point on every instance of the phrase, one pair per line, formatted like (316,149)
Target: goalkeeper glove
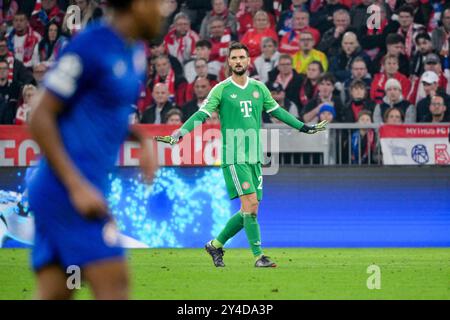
(314,128)
(173,139)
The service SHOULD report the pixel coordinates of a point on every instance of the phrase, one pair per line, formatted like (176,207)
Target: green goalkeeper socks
(251,226)
(233,226)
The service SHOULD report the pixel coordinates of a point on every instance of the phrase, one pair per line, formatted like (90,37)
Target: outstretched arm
(293,122)
(210,105)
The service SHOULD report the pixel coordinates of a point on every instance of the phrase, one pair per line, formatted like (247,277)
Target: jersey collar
(238,85)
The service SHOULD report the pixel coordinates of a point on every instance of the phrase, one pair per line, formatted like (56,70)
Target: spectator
(214,119)
(7,12)
(324,96)
(358,101)
(24,41)
(176,84)
(173,117)
(202,51)
(394,116)
(358,72)
(290,42)
(323,18)
(220,39)
(196,10)
(16,70)
(437,110)
(268,60)
(89,13)
(427,84)
(327,112)
(278,94)
(440,36)
(408,29)
(202,86)
(307,54)
(52,43)
(169,8)
(286,22)
(390,67)
(261,29)
(431,88)
(10,93)
(180,41)
(49,12)
(157,48)
(432,64)
(201,71)
(245,21)
(39,72)
(24,110)
(332,39)
(422,10)
(359,14)
(373,40)
(341,63)
(309,87)
(394,99)
(395,45)
(156,113)
(363,141)
(424,47)
(219,9)
(285,75)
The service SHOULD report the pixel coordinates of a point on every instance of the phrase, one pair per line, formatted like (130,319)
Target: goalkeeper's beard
(239,73)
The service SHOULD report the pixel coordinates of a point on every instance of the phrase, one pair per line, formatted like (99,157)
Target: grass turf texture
(302,274)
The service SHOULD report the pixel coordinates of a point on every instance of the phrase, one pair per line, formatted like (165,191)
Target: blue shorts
(62,235)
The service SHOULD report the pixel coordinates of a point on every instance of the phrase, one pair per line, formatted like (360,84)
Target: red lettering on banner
(201,147)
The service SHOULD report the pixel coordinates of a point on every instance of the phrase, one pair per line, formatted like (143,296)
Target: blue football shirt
(97,77)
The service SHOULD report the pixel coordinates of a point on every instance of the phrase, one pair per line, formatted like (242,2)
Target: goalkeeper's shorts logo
(245,185)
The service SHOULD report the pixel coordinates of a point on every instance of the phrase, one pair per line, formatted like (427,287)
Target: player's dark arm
(44,130)
(284,116)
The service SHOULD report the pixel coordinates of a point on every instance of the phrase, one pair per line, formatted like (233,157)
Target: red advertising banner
(201,147)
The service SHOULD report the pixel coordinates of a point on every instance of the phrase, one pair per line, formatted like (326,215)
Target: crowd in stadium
(321,59)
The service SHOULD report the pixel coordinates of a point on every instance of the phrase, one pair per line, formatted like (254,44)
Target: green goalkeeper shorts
(243,179)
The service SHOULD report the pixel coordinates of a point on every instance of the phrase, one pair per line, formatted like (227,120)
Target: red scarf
(30,42)
(169,81)
(356,109)
(408,40)
(10,61)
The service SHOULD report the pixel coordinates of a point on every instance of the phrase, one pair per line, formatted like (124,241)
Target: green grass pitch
(302,273)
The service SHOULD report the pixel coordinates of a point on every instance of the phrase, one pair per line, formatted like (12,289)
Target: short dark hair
(422,35)
(327,76)
(203,43)
(120,4)
(237,46)
(394,38)
(358,83)
(318,63)
(285,56)
(406,8)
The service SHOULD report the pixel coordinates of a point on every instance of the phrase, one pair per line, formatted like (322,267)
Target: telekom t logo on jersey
(246,108)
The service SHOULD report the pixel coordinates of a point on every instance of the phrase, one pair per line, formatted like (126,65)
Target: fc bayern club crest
(245,185)
(255,94)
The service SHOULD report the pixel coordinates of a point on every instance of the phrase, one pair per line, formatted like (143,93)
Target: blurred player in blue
(80,121)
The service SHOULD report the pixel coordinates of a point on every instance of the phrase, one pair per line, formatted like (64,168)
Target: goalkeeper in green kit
(240,101)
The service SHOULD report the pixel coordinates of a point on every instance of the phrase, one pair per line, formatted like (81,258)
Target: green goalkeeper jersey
(240,110)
